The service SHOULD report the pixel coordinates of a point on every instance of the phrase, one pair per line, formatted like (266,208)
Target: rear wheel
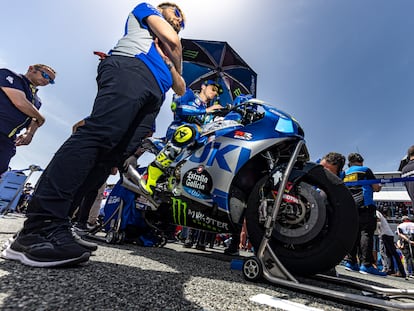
(316,225)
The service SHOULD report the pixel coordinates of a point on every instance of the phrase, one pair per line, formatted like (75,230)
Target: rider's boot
(156,169)
(152,176)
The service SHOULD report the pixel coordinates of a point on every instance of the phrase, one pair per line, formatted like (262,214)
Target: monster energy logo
(179,208)
(181,212)
(237,92)
(190,54)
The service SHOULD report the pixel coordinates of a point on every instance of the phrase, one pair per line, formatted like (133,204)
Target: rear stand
(266,265)
(114,235)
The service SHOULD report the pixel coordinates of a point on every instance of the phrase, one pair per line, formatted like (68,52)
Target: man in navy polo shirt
(19,108)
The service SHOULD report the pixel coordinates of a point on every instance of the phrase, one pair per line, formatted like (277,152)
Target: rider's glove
(132,160)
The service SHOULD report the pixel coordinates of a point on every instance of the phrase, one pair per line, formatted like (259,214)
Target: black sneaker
(52,246)
(92,227)
(80,228)
(90,246)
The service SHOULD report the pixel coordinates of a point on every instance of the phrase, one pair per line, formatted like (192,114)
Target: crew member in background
(19,108)
(408,171)
(364,199)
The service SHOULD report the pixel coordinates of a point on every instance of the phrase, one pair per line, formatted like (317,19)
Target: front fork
(273,269)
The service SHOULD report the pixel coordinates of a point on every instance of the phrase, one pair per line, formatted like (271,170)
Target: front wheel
(316,225)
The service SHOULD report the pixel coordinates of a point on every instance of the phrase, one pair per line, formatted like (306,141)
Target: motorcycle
(255,164)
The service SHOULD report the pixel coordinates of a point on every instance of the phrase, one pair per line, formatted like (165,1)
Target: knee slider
(183,135)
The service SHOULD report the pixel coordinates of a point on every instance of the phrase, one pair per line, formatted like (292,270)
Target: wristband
(169,65)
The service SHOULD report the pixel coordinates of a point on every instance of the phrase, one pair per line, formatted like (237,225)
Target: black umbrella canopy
(218,61)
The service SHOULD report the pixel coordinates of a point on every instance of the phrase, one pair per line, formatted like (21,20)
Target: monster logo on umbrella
(215,60)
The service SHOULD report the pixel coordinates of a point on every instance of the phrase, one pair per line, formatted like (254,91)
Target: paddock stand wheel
(252,269)
(111,237)
(121,237)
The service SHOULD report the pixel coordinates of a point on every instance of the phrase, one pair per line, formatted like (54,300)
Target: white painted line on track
(282,304)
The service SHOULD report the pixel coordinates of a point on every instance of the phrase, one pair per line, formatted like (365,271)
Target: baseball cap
(404,218)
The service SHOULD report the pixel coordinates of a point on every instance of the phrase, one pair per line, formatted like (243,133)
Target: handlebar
(247,112)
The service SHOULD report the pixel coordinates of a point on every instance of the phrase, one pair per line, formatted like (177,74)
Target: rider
(191,110)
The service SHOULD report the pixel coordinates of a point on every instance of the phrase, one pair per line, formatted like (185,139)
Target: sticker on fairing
(199,180)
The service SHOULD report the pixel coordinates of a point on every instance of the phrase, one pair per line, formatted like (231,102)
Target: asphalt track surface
(130,277)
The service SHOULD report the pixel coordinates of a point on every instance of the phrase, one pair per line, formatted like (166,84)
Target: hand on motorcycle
(213,108)
(218,110)
(132,160)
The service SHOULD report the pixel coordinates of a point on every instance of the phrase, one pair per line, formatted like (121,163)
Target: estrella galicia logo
(199,180)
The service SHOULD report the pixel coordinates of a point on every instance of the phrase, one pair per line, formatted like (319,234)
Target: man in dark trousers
(132,82)
(364,199)
(408,171)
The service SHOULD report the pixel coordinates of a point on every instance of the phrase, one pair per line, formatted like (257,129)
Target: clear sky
(343,68)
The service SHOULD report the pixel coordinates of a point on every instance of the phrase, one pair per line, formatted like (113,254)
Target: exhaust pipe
(131,180)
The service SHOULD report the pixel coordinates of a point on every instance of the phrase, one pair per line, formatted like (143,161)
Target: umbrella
(216,60)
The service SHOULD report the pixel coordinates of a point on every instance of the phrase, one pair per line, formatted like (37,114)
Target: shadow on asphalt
(129,277)
(96,286)
(102,285)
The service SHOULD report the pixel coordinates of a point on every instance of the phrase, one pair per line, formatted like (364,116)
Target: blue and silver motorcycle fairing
(231,149)
(255,166)
(203,177)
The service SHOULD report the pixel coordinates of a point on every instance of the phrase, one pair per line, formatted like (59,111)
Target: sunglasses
(46,76)
(178,15)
